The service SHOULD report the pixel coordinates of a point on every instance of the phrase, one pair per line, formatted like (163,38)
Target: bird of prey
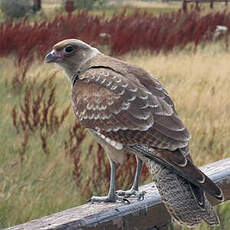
(128,111)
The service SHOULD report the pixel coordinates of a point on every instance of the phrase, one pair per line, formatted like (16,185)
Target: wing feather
(119,104)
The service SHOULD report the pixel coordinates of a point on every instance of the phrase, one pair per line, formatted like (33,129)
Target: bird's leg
(137,174)
(134,189)
(112,196)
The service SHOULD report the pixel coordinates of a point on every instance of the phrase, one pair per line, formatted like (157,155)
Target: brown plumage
(127,109)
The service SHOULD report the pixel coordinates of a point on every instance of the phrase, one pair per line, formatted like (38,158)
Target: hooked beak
(52,57)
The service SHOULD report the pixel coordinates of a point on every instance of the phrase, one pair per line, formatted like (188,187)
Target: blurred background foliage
(48,162)
(16,9)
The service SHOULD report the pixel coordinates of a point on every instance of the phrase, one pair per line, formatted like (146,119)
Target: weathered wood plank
(139,215)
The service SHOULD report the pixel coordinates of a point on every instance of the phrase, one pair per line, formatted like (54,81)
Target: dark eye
(68,49)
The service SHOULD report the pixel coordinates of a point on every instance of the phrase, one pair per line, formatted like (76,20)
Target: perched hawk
(128,110)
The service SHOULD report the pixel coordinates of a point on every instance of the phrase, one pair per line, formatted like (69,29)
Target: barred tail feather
(181,200)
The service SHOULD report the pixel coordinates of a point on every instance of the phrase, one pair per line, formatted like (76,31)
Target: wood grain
(139,215)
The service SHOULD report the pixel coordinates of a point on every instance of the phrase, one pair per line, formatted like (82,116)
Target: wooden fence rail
(148,214)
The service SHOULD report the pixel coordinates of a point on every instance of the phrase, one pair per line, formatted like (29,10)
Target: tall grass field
(49,163)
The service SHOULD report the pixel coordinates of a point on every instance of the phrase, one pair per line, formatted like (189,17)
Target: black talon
(126,201)
(141,196)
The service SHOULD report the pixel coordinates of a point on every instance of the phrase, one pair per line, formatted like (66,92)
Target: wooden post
(69,6)
(197,5)
(149,213)
(211,4)
(184,5)
(36,5)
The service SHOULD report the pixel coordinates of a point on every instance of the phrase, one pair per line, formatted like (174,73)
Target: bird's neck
(88,57)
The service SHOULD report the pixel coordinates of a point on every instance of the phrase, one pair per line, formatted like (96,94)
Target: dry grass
(151,4)
(51,8)
(199,85)
(197,82)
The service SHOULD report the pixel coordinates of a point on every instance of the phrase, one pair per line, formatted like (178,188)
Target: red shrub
(127,32)
(37,112)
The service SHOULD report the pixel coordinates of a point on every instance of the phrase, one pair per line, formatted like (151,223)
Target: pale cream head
(71,54)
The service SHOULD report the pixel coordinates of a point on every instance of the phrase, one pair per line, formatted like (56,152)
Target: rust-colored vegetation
(140,30)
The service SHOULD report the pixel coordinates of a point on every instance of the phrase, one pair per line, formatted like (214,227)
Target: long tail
(186,202)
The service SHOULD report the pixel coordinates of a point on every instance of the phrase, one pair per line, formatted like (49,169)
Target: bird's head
(71,54)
